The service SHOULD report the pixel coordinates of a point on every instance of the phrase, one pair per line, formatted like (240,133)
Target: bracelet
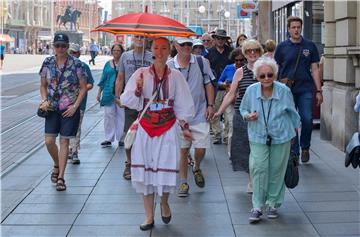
(319,91)
(185,126)
(42,101)
(210,105)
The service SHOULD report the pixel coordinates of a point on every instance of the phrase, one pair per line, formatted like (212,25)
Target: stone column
(342,48)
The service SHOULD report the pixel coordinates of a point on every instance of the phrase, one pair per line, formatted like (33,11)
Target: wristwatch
(42,101)
(210,105)
(319,91)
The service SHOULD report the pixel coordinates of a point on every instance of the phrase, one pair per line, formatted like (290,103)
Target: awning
(6,38)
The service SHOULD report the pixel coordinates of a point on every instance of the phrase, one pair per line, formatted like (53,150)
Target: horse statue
(69,16)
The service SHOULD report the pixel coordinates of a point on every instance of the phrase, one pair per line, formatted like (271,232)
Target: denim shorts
(55,123)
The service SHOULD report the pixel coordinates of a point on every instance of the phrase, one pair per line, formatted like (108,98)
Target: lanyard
(158,87)
(266,121)
(188,72)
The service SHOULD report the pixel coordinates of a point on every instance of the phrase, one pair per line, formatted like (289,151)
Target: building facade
(187,12)
(32,23)
(341,71)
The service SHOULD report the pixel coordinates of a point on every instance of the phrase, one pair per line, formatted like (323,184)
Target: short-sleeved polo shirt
(196,81)
(286,54)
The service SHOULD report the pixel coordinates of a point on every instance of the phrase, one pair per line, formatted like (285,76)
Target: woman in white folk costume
(156,150)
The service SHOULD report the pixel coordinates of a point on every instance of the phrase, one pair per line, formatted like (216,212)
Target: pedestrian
(240,40)
(224,82)
(94,49)
(269,48)
(268,107)
(130,61)
(114,115)
(2,54)
(155,152)
(219,58)
(62,88)
(243,78)
(198,48)
(202,92)
(298,60)
(74,147)
(207,41)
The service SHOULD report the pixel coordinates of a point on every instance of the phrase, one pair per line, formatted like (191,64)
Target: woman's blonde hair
(251,43)
(270,45)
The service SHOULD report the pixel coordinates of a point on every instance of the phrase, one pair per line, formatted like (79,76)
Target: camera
(268,140)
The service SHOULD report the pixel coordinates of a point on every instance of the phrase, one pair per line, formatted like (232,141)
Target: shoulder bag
(131,133)
(292,173)
(289,81)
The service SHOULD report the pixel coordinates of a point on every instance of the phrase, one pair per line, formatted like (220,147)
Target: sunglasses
(116,50)
(239,60)
(220,38)
(61,46)
(206,40)
(268,75)
(186,44)
(139,37)
(248,51)
(198,47)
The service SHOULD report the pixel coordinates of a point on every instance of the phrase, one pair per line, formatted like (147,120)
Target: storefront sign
(249,6)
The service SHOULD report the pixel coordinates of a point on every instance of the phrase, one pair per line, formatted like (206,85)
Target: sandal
(60,186)
(127,171)
(54,175)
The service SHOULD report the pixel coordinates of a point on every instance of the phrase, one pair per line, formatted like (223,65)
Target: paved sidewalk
(99,202)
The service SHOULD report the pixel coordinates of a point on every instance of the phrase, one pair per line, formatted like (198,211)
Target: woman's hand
(216,115)
(187,135)
(70,111)
(140,82)
(98,97)
(45,105)
(251,116)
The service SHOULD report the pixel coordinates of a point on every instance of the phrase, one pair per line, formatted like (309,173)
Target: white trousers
(114,120)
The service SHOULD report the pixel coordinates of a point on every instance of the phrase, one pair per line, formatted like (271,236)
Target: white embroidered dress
(155,160)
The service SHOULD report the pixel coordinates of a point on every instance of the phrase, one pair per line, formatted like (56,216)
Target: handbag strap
(297,62)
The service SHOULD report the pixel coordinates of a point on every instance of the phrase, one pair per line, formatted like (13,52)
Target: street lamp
(227,16)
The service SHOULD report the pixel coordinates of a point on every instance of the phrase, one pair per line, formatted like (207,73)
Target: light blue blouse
(283,117)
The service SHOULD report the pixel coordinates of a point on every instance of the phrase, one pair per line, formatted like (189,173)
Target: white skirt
(155,161)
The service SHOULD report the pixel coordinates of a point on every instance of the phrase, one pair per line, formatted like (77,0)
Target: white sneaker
(249,188)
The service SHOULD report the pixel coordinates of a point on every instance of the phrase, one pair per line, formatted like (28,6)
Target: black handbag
(292,173)
(42,113)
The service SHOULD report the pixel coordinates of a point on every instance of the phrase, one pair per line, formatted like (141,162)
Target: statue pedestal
(74,37)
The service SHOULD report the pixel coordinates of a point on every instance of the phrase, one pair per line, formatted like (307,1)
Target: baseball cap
(61,38)
(74,48)
(198,42)
(181,40)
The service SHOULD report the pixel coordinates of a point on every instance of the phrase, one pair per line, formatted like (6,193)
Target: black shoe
(217,141)
(145,227)
(105,144)
(121,143)
(165,219)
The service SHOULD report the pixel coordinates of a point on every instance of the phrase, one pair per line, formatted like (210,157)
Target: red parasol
(147,24)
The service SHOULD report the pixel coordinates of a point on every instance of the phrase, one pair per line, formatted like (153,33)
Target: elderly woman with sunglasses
(268,107)
(243,78)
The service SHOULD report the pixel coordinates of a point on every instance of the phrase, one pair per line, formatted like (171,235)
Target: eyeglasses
(116,50)
(220,38)
(186,44)
(206,40)
(139,37)
(268,75)
(61,46)
(256,50)
(198,47)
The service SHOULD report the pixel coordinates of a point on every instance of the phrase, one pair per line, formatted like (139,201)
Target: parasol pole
(143,52)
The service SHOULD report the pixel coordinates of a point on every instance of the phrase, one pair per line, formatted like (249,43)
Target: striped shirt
(283,117)
(247,80)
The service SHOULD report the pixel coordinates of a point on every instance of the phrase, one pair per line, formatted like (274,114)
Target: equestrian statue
(71,16)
